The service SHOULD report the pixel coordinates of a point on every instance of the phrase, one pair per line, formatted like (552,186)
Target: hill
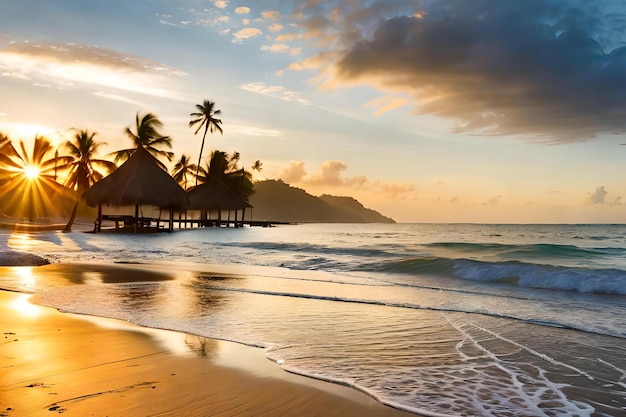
(279,202)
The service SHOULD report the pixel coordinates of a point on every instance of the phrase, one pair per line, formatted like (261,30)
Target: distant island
(276,201)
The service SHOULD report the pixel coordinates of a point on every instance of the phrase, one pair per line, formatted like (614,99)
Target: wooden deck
(126,224)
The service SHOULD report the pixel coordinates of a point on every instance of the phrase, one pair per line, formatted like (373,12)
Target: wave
(584,280)
(539,250)
(467,306)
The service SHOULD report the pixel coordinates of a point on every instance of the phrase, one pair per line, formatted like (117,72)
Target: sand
(52,363)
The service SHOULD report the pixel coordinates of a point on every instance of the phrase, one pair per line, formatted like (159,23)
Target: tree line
(78,157)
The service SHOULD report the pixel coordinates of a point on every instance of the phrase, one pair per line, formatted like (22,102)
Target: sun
(31,172)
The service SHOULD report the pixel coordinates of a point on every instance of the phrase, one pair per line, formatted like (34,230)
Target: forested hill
(279,202)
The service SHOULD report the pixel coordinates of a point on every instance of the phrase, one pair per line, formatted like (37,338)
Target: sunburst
(32,172)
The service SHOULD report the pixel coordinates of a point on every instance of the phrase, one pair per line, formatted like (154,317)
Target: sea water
(436,319)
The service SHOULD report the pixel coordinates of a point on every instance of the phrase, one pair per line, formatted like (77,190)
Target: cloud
(547,70)
(271,14)
(242,10)
(279,48)
(277,91)
(220,4)
(385,104)
(275,27)
(395,189)
(329,174)
(294,173)
(246,33)
(119,97)
(332,174)
(71,64)
(598,195)
(262,88)
(493,201)
(250,130)
(276,48)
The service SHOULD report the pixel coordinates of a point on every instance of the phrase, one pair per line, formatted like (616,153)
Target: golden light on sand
(24,307)
(25,274)
(21,242)
(31,172)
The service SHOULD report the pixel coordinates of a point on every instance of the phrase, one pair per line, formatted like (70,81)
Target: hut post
(99,219)
(243,216)
(136,216)
(171,222)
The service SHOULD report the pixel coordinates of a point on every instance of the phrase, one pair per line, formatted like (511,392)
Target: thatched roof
(214,195)
(141,181)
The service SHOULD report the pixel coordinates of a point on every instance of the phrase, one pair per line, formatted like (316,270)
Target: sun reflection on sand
(24,307)
(22,242)
(26,277)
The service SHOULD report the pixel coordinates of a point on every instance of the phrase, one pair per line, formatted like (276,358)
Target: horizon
(427,112)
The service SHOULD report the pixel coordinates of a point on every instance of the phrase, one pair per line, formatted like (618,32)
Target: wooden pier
(130,224)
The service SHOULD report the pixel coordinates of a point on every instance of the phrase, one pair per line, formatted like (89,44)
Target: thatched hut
(138,181)
(214,195)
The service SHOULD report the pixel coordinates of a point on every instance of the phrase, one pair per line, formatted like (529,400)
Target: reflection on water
(22,242)
(201,346)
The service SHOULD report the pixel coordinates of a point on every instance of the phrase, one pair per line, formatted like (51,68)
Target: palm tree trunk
(200,157)
(136,216)
(70,222)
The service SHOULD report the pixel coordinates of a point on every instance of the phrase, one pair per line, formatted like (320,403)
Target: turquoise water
(454,319)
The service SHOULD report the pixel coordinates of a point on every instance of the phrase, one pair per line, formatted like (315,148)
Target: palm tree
(205,116)
(83,166)
(218,167)
(147,135)
(223,167)
(257,166)
(45,168)
(7,152)
(182,169)
(32,177)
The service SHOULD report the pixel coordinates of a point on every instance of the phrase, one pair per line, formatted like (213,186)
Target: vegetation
(147,135)
(83,166)
(205,117)
(183,169)
(223,167)
(30,180)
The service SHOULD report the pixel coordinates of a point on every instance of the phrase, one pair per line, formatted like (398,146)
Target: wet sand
(52,363)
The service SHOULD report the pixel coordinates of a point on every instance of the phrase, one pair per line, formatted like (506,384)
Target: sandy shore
(79,366)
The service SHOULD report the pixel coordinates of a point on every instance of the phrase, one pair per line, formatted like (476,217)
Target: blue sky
(431,111)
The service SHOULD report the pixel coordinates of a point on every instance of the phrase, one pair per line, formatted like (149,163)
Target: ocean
(435,319)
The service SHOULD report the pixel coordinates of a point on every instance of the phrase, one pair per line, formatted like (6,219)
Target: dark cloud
(550,70)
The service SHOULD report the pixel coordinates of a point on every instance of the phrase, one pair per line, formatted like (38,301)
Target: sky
(483,111)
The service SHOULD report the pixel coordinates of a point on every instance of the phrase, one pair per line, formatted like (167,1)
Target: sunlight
(26,277)
(22,242)
(24,307)
(32,172)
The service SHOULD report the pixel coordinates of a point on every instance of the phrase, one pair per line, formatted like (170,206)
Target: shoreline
(84,365)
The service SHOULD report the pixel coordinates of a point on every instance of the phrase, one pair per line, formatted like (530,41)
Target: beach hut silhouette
(215,195)
(138,181)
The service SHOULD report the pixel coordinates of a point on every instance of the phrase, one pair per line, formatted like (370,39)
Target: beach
(319,320)
(77,366)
